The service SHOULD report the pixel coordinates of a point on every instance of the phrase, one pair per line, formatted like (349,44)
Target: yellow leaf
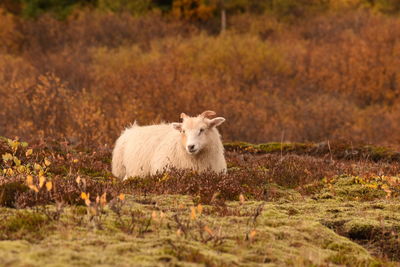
(252,234)
(7,157)
(41,181)
(34,188)
(10,172)
(179,232)
(385,187)
(103,199)
(21,169)
(29,180)
(29,152)
(47,162)
(84,196)
(391,180)
(37,166)
(193,213)
(241,199)
(16,161)
(121,197)
(75,161)
(165,177)
(49,185)
(373,186)
(14,145)
(199,209)
(208,230)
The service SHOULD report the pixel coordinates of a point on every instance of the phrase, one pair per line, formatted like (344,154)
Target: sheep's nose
(191,147)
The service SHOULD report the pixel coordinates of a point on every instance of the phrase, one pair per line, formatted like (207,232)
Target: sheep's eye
(201,130)
(183,131)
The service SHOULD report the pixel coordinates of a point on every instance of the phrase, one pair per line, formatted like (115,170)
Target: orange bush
(85,79)
(8,37)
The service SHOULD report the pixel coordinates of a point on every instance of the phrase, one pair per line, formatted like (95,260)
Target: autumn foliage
(85,78)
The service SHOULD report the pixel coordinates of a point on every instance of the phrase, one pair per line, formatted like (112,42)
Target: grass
(23,224)
(292,233)
(273,208)
(337,150)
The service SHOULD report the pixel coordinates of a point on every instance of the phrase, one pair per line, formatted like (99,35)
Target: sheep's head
(197,132)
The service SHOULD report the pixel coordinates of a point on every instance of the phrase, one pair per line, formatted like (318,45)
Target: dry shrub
(344,55)
(9,39)
(66,191)
(50,108)
(73,170)
(204,75)
(329,77)
(320,117)
(205,186)
(14,72)
(65,163)
(63,47)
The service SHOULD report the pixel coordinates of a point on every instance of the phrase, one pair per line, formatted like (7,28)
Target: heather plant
(52,173)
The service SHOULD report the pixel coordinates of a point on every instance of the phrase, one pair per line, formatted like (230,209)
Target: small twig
(282,137)
(257,213)
(330,151)
(180,225)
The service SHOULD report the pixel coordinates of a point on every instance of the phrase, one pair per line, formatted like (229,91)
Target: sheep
(194,144)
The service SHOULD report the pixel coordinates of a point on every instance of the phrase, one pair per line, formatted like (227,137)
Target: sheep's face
(196,132)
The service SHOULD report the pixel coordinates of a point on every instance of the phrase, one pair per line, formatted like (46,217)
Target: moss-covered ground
(300,233)
(270,210)
(337,150)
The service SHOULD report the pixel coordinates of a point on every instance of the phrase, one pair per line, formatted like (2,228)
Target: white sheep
(193,144)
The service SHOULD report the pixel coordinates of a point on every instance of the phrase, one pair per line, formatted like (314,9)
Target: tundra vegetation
(61,205)
(321,74)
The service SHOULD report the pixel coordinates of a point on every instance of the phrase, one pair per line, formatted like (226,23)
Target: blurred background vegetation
(196,9)
(297,70)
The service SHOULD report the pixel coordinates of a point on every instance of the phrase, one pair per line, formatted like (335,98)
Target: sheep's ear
(208,113)
(183,116)
(216,122)
(177,126)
